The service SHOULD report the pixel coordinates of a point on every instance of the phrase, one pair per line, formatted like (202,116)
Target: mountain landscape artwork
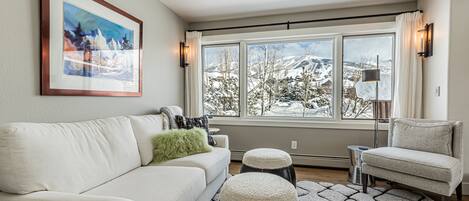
(96,47)
(90,48)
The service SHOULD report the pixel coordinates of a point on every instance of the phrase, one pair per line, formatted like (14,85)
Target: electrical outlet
(294,144)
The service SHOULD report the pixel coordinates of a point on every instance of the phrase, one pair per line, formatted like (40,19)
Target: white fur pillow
(429,137)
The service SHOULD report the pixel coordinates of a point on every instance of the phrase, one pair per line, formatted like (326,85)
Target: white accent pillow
(429,137)
(146,127)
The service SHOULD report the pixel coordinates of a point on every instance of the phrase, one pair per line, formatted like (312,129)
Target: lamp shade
(370,75)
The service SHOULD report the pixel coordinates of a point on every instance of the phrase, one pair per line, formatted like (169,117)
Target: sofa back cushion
(435,137)
(65,157)
(145,128)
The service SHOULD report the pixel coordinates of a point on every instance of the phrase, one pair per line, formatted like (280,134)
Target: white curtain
(193,75)
(407,101)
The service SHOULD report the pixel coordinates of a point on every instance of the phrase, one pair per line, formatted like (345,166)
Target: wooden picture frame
(85,65)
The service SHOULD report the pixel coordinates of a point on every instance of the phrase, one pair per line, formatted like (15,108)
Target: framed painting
(89,48)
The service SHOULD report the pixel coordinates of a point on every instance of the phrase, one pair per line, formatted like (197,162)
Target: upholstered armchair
(424,154)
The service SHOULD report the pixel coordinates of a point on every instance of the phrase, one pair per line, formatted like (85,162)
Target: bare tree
(263,79)
(353,105)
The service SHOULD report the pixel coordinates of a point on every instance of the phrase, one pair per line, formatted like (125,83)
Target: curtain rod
(288,23)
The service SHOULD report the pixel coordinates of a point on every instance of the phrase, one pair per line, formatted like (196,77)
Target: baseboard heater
(306,159)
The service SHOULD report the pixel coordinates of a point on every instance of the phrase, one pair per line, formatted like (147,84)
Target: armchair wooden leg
(365,183)
(459,192)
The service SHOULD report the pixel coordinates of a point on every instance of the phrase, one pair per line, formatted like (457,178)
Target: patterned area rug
(323,191)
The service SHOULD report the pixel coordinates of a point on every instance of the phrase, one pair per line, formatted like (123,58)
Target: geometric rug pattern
(324,191)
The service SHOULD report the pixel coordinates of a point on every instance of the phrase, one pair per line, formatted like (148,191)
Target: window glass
(290,78)
(221,80)
(359,53)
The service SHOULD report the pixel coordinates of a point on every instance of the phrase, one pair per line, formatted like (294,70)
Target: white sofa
(103,160)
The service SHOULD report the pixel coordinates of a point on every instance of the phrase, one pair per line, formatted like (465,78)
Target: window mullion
(243,79)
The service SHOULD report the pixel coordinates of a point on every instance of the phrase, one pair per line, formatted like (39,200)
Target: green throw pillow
(179,143)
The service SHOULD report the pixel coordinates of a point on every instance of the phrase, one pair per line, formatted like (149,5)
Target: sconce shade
(371,75)
(426,43)
(183,53)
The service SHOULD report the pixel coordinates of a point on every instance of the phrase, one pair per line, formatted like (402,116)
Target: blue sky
(356,49)
(90,22)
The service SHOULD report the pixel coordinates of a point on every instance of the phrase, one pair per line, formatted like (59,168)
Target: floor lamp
(373,75)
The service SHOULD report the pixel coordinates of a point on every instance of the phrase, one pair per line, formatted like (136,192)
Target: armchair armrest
(222,141)
(56,196)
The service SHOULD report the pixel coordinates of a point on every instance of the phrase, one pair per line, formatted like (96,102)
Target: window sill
(326,124)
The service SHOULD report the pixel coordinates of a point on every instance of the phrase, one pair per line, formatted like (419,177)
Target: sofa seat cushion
(155,184)
(213,163)
(423,164)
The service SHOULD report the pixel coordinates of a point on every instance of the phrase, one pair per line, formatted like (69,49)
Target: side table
(355,171)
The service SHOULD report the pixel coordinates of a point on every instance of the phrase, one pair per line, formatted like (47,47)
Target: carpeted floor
(324,191)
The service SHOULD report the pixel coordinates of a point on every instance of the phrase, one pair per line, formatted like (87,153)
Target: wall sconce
(426,41)
(183,55)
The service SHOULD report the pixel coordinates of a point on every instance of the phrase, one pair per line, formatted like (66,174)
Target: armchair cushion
(423,164)
(435,137)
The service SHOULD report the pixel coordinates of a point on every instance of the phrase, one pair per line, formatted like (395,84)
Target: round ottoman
(272,161)
(257,187)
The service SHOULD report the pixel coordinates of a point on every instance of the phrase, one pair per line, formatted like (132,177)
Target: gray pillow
(429,137)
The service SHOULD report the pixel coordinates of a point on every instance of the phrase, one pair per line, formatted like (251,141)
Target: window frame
(203,77)
(337,33)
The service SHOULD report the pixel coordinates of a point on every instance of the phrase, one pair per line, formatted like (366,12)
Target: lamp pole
(373,75)
(375,134)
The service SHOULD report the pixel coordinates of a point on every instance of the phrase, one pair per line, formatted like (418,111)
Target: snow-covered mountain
(321,71)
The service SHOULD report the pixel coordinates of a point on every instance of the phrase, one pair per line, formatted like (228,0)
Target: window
(221,80)
(292,79)
(359,53)
(298,75)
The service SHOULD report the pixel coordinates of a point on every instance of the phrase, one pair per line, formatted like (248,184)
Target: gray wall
(458,71)
(435,68)
(448,67)
(317,147)
(20,98)
(367,10)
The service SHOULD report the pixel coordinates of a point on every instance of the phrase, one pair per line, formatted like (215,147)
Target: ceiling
(209,10)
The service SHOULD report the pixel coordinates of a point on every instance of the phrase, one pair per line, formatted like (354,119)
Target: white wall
(435,68)
(449,67)
(20,98)
(458,84)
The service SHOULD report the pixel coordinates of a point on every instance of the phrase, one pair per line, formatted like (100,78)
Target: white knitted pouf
(265,158)
(258,187)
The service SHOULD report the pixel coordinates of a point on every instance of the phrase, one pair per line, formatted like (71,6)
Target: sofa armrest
(56,196)
(222,141)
